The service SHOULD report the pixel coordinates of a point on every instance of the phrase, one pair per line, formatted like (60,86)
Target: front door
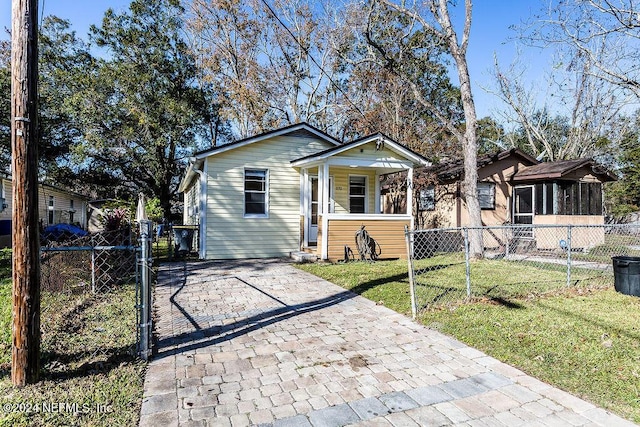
(523,204)
(313,209)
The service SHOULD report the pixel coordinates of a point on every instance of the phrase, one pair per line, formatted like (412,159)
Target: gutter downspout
(202,232)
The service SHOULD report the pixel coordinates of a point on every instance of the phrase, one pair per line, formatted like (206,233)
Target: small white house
(292,189)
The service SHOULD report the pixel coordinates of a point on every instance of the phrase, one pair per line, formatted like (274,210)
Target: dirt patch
(357,362)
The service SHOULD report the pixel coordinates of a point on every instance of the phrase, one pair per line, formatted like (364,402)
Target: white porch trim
(202,234)
(369,217)
(321,208)
(304,205)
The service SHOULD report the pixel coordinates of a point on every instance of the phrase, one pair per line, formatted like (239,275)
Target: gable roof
(379,138)
(300,129)
(455,168)
(561,168)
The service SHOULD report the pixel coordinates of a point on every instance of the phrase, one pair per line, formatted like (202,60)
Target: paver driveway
(260,342)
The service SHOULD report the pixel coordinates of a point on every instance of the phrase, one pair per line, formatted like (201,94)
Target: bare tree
(567,118)
(271,62)
(433,17)
(602,33)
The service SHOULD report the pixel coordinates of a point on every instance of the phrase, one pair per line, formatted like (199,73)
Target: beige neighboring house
(56,206)
(295,189)
(514,187)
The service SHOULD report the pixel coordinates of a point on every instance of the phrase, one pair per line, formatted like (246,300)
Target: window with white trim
(51,206)
(72,211)
(357,194)
(255,192)
(487,195)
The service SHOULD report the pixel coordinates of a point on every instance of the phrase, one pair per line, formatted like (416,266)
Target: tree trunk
(25,354)
(470,152)
(469,141)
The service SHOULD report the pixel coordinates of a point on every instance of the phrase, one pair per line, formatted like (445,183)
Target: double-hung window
(357,194)
(256,192)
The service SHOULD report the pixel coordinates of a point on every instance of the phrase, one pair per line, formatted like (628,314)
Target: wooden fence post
(25,354)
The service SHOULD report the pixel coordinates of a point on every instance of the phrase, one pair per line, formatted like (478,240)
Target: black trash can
(183,239)
(626,274)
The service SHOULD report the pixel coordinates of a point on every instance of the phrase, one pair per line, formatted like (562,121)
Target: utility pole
(25,329)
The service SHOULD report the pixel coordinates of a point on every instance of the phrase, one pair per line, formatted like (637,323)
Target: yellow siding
(369,152)
(341,186)
(7,193)
(388,233)
(191,198)
(229,234)
(61,206)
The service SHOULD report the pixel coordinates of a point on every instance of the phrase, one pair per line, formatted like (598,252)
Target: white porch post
(202,228)
(376,193)
(304,205)
(410,195)
(322,207)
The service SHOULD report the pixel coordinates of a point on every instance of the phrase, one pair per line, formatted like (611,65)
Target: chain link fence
(515,261)
(94,263)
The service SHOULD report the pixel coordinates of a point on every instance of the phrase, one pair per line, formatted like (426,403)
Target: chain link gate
(100,262)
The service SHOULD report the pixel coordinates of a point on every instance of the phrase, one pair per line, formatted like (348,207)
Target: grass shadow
(363,287)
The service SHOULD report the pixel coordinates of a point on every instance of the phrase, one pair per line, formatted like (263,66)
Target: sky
(490,34)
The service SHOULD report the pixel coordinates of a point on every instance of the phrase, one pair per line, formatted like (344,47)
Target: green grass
(586,343)
(441,279)
(585,339)
(88,359)
(386,282)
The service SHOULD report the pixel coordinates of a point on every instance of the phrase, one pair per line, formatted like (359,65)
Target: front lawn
(90,375)
(585,340)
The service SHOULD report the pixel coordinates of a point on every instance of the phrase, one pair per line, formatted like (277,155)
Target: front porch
(340,193)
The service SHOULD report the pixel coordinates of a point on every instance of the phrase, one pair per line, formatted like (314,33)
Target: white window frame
(266,193)
(50,208)
(366,194)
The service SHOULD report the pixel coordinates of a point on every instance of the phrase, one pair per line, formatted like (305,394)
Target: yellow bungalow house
(295,189)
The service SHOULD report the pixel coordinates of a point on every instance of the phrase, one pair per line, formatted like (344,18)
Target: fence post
(145,290)
(507,241)
(569,256)
(93,265)
(412,289)
(467,261)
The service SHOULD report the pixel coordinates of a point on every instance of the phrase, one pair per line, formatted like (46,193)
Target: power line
(313,59)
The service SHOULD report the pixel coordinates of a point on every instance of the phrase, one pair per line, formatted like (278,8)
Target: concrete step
(302,257)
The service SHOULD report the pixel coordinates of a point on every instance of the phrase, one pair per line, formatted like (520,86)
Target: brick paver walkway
(262,343)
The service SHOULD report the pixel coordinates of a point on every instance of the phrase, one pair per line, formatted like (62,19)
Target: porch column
(304,205)
(321,178)
(410,194)
(377,194)
(322,207)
